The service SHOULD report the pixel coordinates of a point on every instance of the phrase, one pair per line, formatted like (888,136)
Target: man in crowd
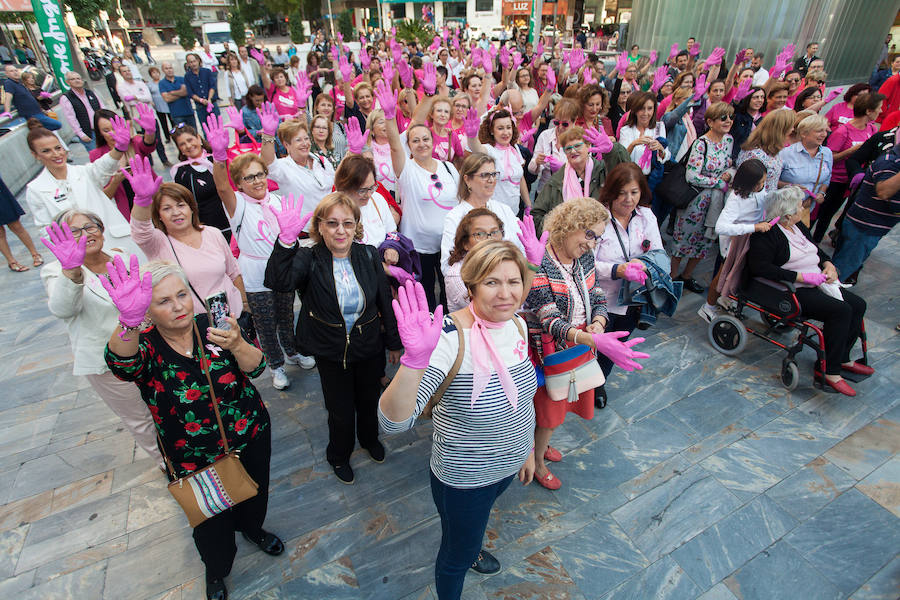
(174,92)
(19,96)
(78,106)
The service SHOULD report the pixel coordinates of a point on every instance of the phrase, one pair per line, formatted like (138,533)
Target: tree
(86,11)
(236,20)
(296,23)
(345,24)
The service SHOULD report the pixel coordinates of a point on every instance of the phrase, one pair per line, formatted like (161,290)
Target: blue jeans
(48,122)
(202,115)
(88,146)
(856,246)
(464,518)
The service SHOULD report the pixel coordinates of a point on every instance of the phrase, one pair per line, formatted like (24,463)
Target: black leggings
(842,319)
(834,198)
(431,272)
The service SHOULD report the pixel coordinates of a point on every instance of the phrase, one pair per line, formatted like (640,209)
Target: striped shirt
(872,215)
(476,446)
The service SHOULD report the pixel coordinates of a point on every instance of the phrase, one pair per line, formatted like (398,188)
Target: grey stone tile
(335,581)
(761,522)
(884,585)
(717,592)
(649,441)
(11,543)
(83,583)
(10,587)
(80,559)
(662,579)
(654,476)
(731,433)
(867,449)
(803,493)
(541,575)
(883,485)
(780,573)
(590,471)
(153,568)
(713,554)
(518,512)
(849,540)
(712,409)
(744,470)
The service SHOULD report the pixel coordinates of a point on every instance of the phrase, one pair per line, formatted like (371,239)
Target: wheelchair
(780,310)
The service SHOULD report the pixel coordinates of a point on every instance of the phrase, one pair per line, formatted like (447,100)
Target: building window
(484,5)
(455,10)
(398,11)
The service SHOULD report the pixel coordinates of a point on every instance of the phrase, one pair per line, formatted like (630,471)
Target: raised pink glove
(695,50)
(400,275)
(525,135)
(345,69)
(700,87)
(635,272)
(258,57)
(653,56)
(143,180)
(577,59)
(471,123)
(539,49)
(553,163)
(429,78)
(364,59)
(487,61)
(121,133)
(551,80)
(146,117)
(588,78)
(217,137)
(646,158)
(714,58)
(387,71)
(129,98)
(673,52)
(456,43)
(743,90)
(397,53)
(622,62)
(45,95)
(788,51)
(659,78)
(534,246)
(290,220)
(268,118)
(340,37)
(517,61)
(235,119)
(814,279)
(600,142)
(503,57)
(833,94)
(387,100)
(740,58)
(492,50)
(407,76)
(418,330)
(609,344)
(303,90)
(356,139)
(130,293)
(67,250)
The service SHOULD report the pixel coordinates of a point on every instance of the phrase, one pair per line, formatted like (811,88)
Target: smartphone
(217,307)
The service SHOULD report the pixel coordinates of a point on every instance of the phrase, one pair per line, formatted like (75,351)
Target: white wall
(484,21)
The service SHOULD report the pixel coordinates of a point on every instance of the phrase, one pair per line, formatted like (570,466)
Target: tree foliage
(236,20)
(296,26)
(86,11)
(345,24)
(17,17)
(411,29)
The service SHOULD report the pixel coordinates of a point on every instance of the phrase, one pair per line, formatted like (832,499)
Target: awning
(81,31)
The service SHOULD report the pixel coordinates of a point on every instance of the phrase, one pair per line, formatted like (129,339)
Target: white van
(216,34)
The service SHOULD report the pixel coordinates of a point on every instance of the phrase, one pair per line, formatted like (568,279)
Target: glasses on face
(261,176)
(560,123)
(489,175)
(792,80)
(437,183)
(576,146)
(724,118)
(590,235)
(365,192)
(493,234)
(332,225)
(90,228)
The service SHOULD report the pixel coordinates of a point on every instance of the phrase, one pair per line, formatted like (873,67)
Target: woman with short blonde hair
(766,142)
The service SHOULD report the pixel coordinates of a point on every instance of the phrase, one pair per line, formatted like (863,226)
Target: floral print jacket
(176,391)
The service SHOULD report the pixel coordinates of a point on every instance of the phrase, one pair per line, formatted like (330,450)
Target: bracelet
(266,138)
(534,268)
(575,340)
(126,329)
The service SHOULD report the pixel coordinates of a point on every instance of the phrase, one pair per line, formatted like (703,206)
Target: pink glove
(387,71)
(268,118)
(258,57)
(659,78)
(673,52)
(622,62)
(788,51)
(577,59)
(45,95)
(290,220)
(209,107)
(646,158)
(143,180)
(235,120)
(553,163)
(635,272)
(345,69)
(471,123)
(609,345)
(714,58)
(534,246)
(130,293)
(356,139)
(653,56)
(429,79)
(740,58)
(387,100)
(743,90)
(6,115)
(407,77)
(146,118)
(397,53)
(600,142)
(551,80)
(517,61)
(67,250)
(833,94)
(814,279)
(503,57)
(492,50)
(539,49)
(418,331)
(487,61)
(700,87)
(400,275)
(364,59)
(129,98)
(121,133)
(588,78)
(217,137)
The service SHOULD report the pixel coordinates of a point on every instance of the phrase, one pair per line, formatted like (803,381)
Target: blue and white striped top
(480,445)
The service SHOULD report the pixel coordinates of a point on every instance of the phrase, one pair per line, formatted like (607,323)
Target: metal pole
(331,18)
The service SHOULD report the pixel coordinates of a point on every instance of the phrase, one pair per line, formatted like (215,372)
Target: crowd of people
(476,213)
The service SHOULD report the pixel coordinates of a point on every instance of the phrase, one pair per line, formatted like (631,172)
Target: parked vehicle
(216,35)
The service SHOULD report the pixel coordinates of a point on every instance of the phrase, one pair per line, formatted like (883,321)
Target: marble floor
(703,478)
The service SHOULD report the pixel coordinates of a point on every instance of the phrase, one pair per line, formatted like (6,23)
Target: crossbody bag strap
(205,364)
(199,297)
(619,237)
(457,363)
(819,174)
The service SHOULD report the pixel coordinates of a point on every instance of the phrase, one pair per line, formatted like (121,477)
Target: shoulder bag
(674,189)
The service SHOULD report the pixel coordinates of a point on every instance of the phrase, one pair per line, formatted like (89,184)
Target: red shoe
(552,454)
(549,481)
(841,386)
(858,368)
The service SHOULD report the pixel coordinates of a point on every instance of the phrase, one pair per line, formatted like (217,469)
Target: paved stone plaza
(703,478)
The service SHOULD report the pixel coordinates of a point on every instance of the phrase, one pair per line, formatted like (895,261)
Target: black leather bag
(674,189)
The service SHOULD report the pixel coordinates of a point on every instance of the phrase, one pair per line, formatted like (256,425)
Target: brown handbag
(219,486)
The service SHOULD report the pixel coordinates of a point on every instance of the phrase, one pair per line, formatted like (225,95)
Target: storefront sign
(50,21)
(521,7)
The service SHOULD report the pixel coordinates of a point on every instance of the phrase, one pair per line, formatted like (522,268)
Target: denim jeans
(464,518)
(183,119)
(48,122)
(88,146)
(856,246)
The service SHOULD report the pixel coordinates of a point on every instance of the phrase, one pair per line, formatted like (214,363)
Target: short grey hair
(812,123)
(785,201)
(68,215)
(160,269)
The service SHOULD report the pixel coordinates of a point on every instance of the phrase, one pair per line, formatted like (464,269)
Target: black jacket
(321,330)
(769,250)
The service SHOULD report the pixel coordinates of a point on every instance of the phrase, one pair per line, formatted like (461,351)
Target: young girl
(744,213)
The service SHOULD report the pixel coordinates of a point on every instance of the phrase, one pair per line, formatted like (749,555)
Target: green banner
(50,21)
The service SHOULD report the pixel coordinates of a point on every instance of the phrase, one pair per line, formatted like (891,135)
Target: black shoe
(486,564)
(270,543)
(216,590)
(600,397)
(344,473)
(376,451)
(691,284)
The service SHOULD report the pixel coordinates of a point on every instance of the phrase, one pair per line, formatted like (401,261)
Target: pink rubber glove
(146,117)
(397,53)
(6,115)
(553,163)
(335,53)
(429,78)
(45,95)
(356,139)
(788,51)
(345,69)
(714,58)
(700,87)
(659,78)
(129,98)
(833,94)
(653,56)
(487,61)
(407,76)
(387,100)
(551,80)
(209,107)
(539,49)
(588,78)
(525,135)
(814,279)
(258,57)
(622,62)
(121,133)
(268,118)
(695,50)
(646,158)
(67,250)
(600,142)
(517,61)
(400,275)
(418,330)
(673,52)
(235,119)
(743,90)
(740,57)
(130,293)
(143,180)
(290,220)
(503,57)
(635,272)
(387,71)
(534,246)
(456,43)
(471,123)
(217,137)
(364,59)
(609,344)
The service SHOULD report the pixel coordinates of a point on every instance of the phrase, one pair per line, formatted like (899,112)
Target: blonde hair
(771,132)
(573,215)
(486,256)
(160,269)
(289,130)
(812,123)
(324,207)
(239,165)
(469,168)
(678,96)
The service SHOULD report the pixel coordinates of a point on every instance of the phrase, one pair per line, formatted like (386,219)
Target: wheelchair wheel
(790,374)
(727,335)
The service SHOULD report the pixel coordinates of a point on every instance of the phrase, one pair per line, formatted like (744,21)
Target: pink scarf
(268,215)
(510,157)
(483,349)
(202,160)
(571,188)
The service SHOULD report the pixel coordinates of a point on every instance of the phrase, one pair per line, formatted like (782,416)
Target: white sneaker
(305,362)
(279,379)
(726,302)
(707,314)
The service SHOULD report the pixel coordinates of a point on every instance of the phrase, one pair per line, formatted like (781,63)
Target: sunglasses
(724,118)
(559,123)
(437,183)
(177,127)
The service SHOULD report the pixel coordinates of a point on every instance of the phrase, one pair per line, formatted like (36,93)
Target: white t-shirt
(255,239)
(451,222)
(509,163)
(424,205)
(376,219)
(314,184)
(381,155)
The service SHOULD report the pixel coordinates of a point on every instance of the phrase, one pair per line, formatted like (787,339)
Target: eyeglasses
(493,234)
(489,175)
(176,128)
(559,123)
(437,183)
(333,225)
(366,191)
(261,176)
(90,228)
(792,80)
(590,235)
(576,146)
(724,118)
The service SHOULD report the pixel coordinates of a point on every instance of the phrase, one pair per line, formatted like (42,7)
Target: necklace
(569,269)
(176,346)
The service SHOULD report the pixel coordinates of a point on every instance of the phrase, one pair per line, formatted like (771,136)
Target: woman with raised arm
(194,172)
(497,136)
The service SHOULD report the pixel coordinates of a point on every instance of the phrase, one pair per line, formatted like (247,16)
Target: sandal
(38,259)
(15,267)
